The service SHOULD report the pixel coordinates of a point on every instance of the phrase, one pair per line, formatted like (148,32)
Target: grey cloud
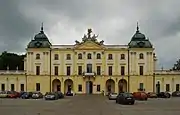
(158,20)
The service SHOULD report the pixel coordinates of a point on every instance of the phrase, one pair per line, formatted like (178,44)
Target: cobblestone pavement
(88,105)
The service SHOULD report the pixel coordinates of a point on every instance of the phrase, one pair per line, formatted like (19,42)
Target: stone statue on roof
(88,37)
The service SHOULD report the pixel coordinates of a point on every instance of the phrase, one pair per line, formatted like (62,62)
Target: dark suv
(125,98)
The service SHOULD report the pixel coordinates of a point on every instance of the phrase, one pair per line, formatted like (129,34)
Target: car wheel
(132,103)
(169,96)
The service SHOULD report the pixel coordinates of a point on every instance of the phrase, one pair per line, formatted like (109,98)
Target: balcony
(89,74)
(12,72)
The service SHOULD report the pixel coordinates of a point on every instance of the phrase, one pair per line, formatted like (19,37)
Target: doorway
(58,88)
(69,88)
(109,88)
(158,87)
(89,87)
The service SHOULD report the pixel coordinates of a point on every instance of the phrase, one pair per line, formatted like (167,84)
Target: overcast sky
(114,20)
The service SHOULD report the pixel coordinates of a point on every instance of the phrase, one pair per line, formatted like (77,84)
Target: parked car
(21,93)
(176,94)
(60,94)
(125,98)
(152,95)
(3,94)
(140,95)
(26,95)
(51,96)
(37,95)
(13,94)
(112,96)
(69,93)
(164,95)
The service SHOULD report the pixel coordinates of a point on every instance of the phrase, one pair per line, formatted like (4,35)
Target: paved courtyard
(88,105)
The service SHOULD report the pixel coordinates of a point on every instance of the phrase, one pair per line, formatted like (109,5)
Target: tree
(12,61)
(177,65)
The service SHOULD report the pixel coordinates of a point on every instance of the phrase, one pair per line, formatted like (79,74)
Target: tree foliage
(177,65)
(12,61)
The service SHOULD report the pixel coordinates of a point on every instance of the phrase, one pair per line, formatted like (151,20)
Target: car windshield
(127,94)
(114,93)
(50,93)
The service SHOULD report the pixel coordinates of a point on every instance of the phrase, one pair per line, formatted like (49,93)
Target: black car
(163,95)
(69,93)
(60,94)
(51,96)
(26,95)
(176,94)
(125,98)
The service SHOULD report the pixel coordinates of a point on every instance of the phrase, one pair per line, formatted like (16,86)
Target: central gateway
(89,87)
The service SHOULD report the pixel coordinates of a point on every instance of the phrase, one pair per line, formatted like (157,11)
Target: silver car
(113,96)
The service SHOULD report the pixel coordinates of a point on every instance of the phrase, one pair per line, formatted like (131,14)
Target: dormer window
(68,57)
(98,56)
(79,56)
(56,57)
(37,56)
(141,56)
(122,56)
(89,56)
(110,57)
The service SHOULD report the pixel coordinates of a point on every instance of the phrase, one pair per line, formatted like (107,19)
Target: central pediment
(89,45)
(89,42)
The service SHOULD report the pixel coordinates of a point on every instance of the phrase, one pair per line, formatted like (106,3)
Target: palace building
(89,67)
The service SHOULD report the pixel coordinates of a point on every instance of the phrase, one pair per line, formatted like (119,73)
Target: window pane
(80,88)
(167,87)
(98,88)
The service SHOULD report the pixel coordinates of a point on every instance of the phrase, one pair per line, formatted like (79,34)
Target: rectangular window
(56,70)
(37,70)
(177,87)
(12,87)
(89,68)
(110,70)
(2,87)
(122,70)
(22,87)
(167,87)
(98,70)
(38,87)
(80,88)
(98,88)
(141,86)
(141,70)
(68,70)
(79,70)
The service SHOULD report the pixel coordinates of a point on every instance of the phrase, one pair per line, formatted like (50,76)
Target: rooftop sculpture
(89,37)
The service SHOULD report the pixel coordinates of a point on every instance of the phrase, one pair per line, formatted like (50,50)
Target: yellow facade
(105,68)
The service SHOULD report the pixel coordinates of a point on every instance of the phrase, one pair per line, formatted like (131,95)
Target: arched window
(37,56)
(89,56)
(141,56)
(98,56)
(56,57)
(68,56)
(110,57)
(79,56)
(122,56)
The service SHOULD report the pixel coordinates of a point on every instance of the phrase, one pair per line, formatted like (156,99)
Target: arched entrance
(158,87)
(68,85)
(110,86)
(122,85)
(89,87)
(56,85)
